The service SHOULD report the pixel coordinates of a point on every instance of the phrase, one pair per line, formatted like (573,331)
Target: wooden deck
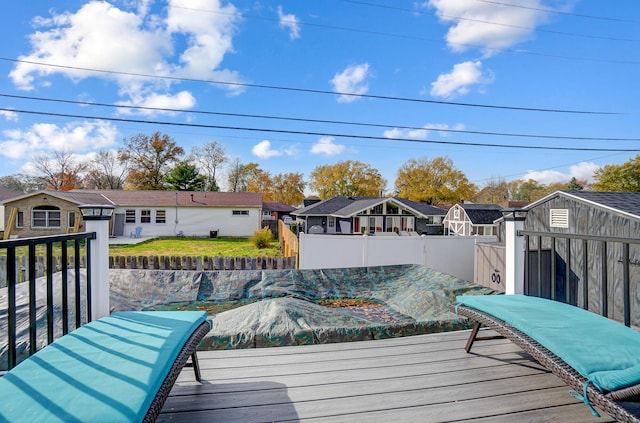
(427,378)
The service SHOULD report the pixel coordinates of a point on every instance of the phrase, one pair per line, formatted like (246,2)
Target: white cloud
(490,26)
(460,80)
(289,22)
(183,100)
(44,137)
(422,134)
(352,80)
(264,151)
(185,43)
(582,171)
(9,115)
(326,146)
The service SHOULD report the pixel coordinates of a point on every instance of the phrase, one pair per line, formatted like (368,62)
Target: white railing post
(514,250)
(96,219)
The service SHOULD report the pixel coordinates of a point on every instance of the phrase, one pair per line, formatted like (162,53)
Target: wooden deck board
(421,378)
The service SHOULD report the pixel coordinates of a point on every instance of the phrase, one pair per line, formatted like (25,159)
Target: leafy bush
(262,238)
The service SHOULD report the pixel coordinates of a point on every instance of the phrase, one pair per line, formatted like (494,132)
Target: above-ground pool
(298,307)
(266,308)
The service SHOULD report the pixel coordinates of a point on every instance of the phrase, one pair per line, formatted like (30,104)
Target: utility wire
(309,120)
(549,31)
(314,91)
(321,134)
(604,18)
(404,36)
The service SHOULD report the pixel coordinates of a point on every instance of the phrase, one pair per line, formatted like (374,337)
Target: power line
(321,134)
(572,34)
(310,120)
(315,91)
(604,18)
(404,36)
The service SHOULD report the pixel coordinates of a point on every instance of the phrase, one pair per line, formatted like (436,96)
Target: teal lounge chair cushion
(602,350)
(108,370)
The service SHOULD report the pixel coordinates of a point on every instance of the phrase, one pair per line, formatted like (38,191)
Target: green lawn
(230,247)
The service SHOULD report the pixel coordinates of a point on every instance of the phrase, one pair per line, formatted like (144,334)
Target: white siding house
(158,213)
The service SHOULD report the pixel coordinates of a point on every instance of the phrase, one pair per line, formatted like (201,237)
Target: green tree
(530,190)
(434,181)
(574,185)
(149,158)
(624,177)
(185,177)
(347,178)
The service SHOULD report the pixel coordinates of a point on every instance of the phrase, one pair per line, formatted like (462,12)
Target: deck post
(514,250)
(96,219)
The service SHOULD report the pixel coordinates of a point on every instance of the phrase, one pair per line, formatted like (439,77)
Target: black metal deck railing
(542,281)
(12,282)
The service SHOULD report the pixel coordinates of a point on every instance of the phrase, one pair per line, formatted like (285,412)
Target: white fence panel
(453,255)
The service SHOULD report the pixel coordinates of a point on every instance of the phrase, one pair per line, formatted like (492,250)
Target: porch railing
(568,265)
(12,282)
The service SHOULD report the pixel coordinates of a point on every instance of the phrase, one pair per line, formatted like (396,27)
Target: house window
(393,224)
(331,222)
(130,216)
(20,220)
(559,218)
(391,209)
(145,216)
(71,219)
(376,210)
(407,224)
(456,213)
(240,212)
(161,216)
(45,217)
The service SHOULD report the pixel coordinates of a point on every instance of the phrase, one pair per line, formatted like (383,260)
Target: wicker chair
(622,404)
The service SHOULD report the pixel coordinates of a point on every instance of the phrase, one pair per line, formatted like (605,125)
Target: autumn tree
(496,191)
(347,178)
(209,158)
(260,181)
(239,175)
(288,188)
(185,177)
(105,171)
(434,181)
(624,177)
(59,170)
(150,158)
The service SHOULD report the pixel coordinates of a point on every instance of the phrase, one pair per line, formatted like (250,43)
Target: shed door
(118,225)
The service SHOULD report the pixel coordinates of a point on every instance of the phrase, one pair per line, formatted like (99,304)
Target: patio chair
(595,355)
(136,233)
(118,368)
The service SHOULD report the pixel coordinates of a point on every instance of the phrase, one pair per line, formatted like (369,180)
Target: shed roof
(482,214)
(624,202)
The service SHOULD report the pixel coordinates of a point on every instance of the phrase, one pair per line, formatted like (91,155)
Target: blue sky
(423,73)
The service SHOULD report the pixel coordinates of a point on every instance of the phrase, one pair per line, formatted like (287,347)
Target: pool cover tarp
(274,307)
(281,306)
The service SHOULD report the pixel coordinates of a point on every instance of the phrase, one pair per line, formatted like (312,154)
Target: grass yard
(230,247)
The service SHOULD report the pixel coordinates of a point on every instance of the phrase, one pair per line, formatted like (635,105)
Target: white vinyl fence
(453,255)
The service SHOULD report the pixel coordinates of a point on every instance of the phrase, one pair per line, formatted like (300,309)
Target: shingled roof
(124,198)
(348,206)
(624,202)
(482,214)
